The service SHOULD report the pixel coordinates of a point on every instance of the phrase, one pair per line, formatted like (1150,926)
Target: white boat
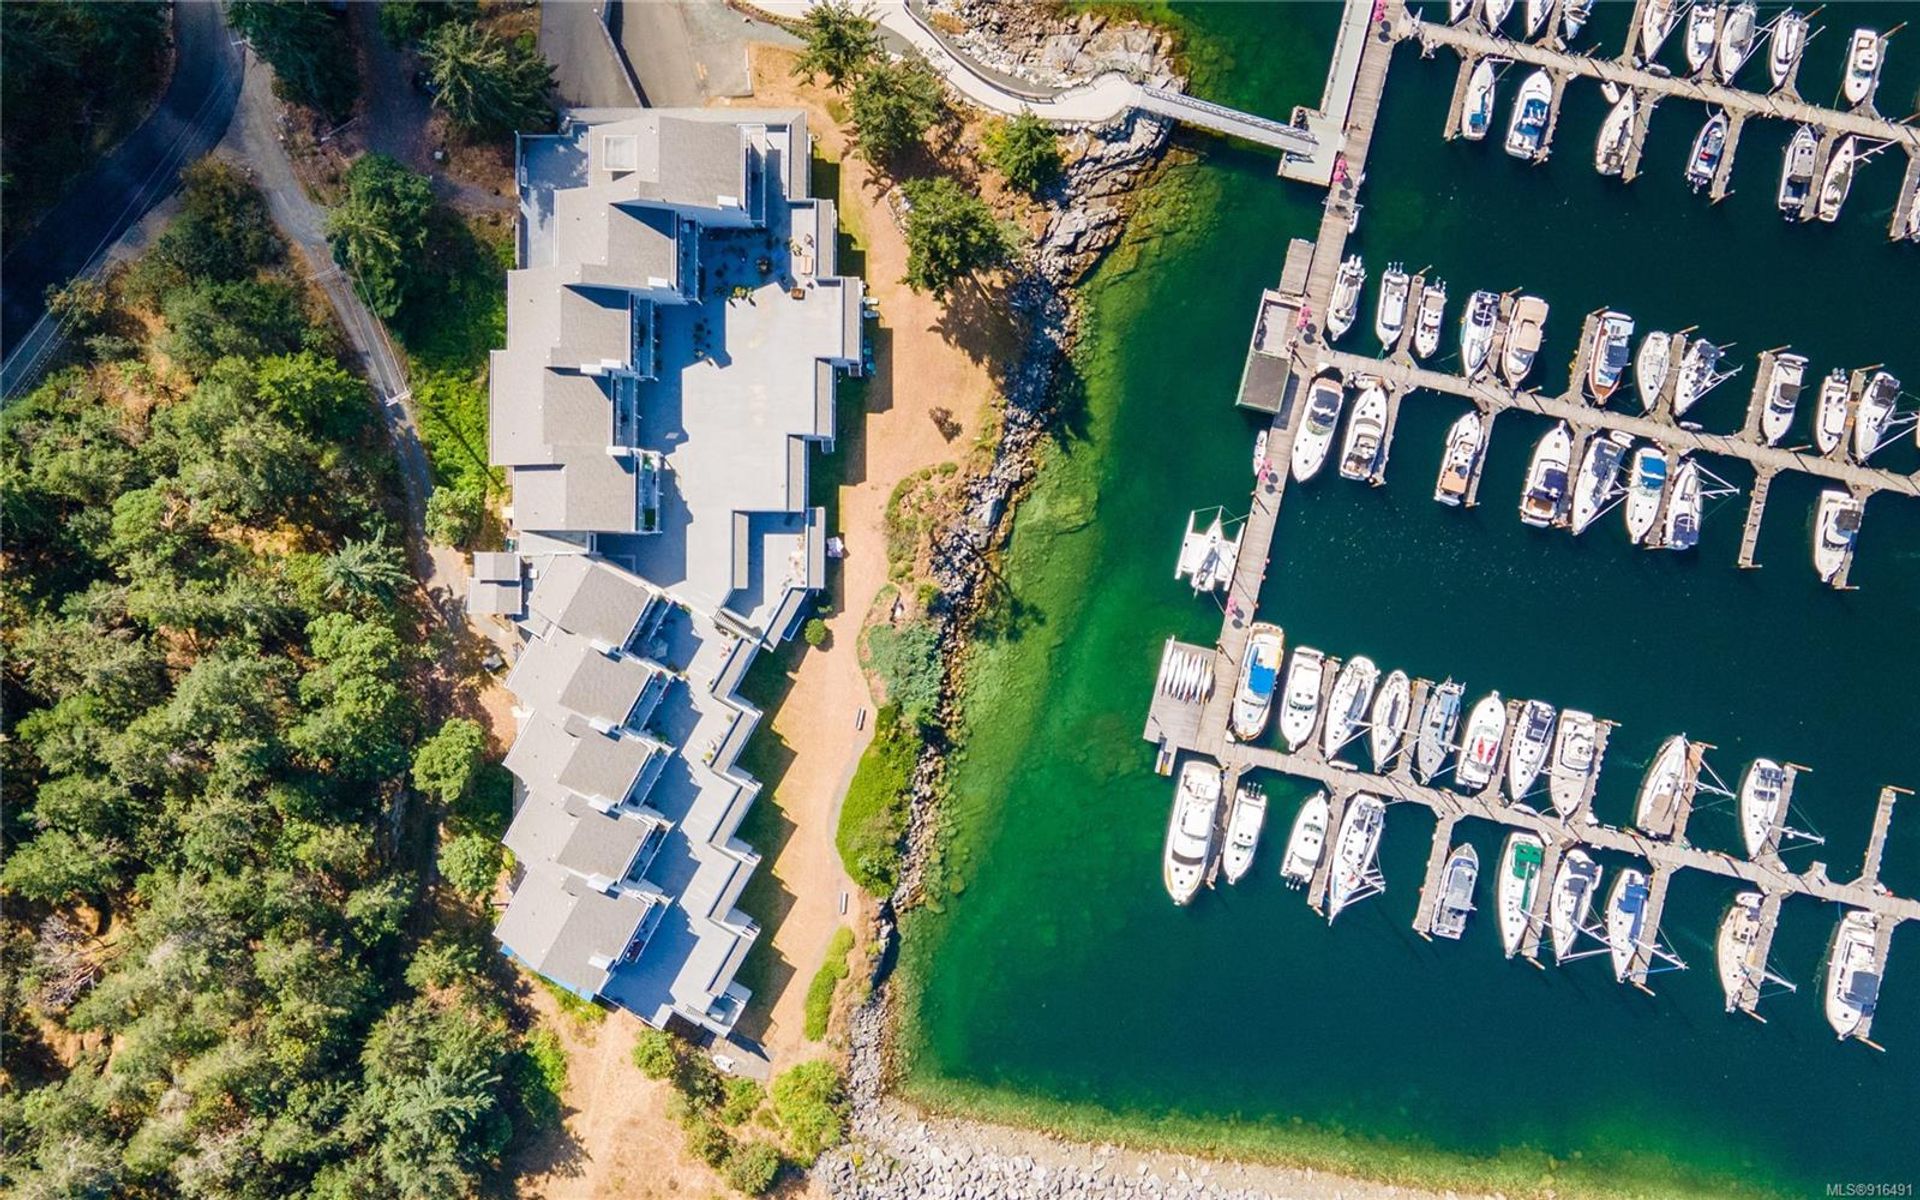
(1392,705)
(1612,352)
(1853,974)
(1830,415)
(1735,946)
(1347,708)
(1708,146)
(1244,820)
(1390,315)
(1362,452)
(1464,443)
(1783,396)
(1863,66)
(1300,703)
(1354,850)
(1656,22)
(1682,528)
(1519,881)
(1476,115)
(1496,13)
(1527,127)
(1838,180)
(1191,829)
(1457,10)
(1789,42)
(1763,805)
(1480,743)
(1532,735)
(1259,679)
(1651,366)
(1796,172)
(1535,14)
(1324,398)
(1697,367)
(1573,16)
(1438,720)
(1344,305)
(1836,523)
(1570,906)
(1476,331)
(1616,135)
(1524,334)
(1546,490)
(1660,789)
(1736,39)
(1703,32)
(1626,918)
(1646,484)
(1306,843)
(1456,892)
(1599,479)
(1208,556)
(1572,761)
(1870,418)
(1260,455)
(1426,323)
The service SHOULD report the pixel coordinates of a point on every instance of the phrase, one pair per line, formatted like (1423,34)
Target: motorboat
(1438,720)
(1571,764)
(1480,743)
(1626,918)
(1390,315)
(1259,679)
(1612,352)
(1616,135)
(1347,709)
(1387,724)
(1524,334)
(1783,396)
(1300,703)
(1546,490)
(1306,843)
(1599,479)
(1830,414)
(1354,850)
(1244,820)
(1682,528)
(1863,66)
(1646,485)
(1520,863)
(1696,379)
(1870,418)
(1736,39)
(1426,323)
(1527,127)
(1570,906)
(1344,304)
(1496,13)
(1457,881)
(1476,331)
(1703,34)
(1363,451)
(1763,805)
(1573,16)
(1656,22)
(1324,398)
(1853,974)
(1708,145)
(1651,367)
(1476,115)
(1660,790)
(1796,172)
(1836,523)
(1532,735)
(1736,948)
(1838,180)
(1789,42)
(1191,829)
(1464,444)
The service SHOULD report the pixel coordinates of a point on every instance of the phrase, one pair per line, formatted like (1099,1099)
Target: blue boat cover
(1261,678)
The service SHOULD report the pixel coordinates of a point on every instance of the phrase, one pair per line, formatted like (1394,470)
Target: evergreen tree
(840,44)
(486,84)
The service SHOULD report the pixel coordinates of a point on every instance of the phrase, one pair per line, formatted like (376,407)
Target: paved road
(581,51)
(395,115)
(687,52)
(141,172)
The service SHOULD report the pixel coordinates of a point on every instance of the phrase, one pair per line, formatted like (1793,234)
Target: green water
(1058,983)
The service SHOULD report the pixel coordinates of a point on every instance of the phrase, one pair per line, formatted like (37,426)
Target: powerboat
(1830,414)
(1789,42)
(1496,12)
(1480,743)
(1546,491)
(1682,529)
(1390,315)
(1853,974)
(1519,880)
(1599,479)
(1457,881)
(1838,180)
(1570,906)
(1763,805)
(1464,443)
(1703,33)
(1656,22)
(1696,374)
(1191,829)
(1535,13)
(1362,452)
(1796,172)
(1736,39)
(1527,127)
(1426,323)
(1306,843)
(1573,16)
(1324,398)
(1476,115)
(1836,523)
(1783,396)
(1708,145)
(1347,709)
(1438,720)
(1344,304)
(1392,705)
(1476,331)
(1646,484)
(1626,918)
(1259,679)
(1660,790)
(1524,334)
(1870,418)
(1616,135)
(1532,735)
(1354,851)
(1735,948)
(1571,764)
(1863,66)
(1612,351)
(1651,367)
(1300,703)
(1244,820)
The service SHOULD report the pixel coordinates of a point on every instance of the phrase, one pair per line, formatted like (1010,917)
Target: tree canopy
(893,106)
(841,44)
(379,231)
(405,21)
(305,43)
(1025,151)
(951,233)
(486,84)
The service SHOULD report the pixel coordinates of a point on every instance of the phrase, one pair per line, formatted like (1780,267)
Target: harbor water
(1054,980)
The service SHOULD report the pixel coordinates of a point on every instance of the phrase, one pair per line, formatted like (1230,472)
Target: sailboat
(1191,829)
(1796,172)
(1519,880)
(1457,464)
(1626,918)
(1736,39)
(1476,331)
(1660,790)
(1789,40)
(1244,820)
(1438,720)
(1354,852)
(1838,180)
(1599,480)
(1347,709)
(1616,135)
(1647,483)
(1573,16)
(1650,367)
(1532,734)
(1306,843)
(1497,11)
(1835,525)
(1324,397)
(1696,374)
(1763,805)
(1390,315)
(1656,22)
(1735,946)
(1392,706)
(1682,530)
(1426,325)
(1783,396)
(1572,763)
(1571,905)
(1830,415)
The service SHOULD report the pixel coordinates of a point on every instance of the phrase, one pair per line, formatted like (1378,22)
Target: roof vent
(620,152)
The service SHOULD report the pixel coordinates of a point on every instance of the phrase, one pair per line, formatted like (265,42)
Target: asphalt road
(584,68)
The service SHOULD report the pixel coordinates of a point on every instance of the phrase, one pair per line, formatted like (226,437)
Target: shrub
(470,863)
(815,633)
(951,233)
(893,106)
(807,1102)
(708,1142)
(825,981)
(873,817)
(540,1078)
(743,1097)
(907,659)
(1024,150)
(752,1167)
(656,1053)
(454,514)
(406,21)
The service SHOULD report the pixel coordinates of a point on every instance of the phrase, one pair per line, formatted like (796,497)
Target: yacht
(1306,843)
(1789,40)
(1573,16)
(1191,829)
(1347,710)
(1457,880)
(1324,398)
(1863,66)
(1763,805)
(1838,180)
(1480,743)
(1830,415)
(1496,12)
(1344,305)
(1660,791)
(1696,375)
(1426,323)
(1524,333)
(1519,881)
(1646,484)
(1708,145)
(1532,735)
(1599,480)
(1464,443)
(1835,524)
(1572,761)
(1535,13)
(1735,946)
(1438,720)
(1870,418)
(1736,39)
(1783,396)
(1616,135)
(1682,528)
(1546,491)
(1703,32)
(1626,918)
(1853,974)
(1301,700)
(1528,125)
(1390,315)
(1651,366)
(1244,819)
(1796,172)
(1476,115)
(1354,851)
(1259,678)
(1476,331)
(1607,365)
(1362,452)
(1656,22)
(1570,906)
(1392,705)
